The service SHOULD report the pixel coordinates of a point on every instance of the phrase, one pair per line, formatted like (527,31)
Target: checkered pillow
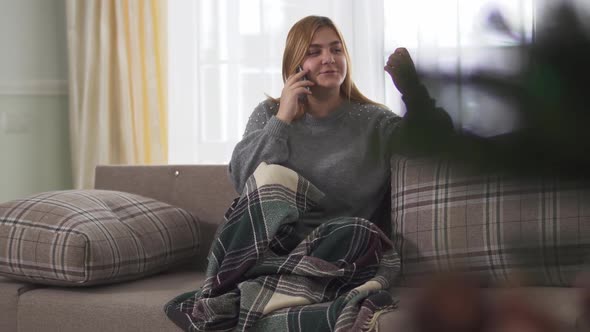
(447,218)
(88,237)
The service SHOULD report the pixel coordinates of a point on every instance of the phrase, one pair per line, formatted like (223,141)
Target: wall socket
(15,122)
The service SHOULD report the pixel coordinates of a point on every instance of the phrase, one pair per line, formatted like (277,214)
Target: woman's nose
(328,58)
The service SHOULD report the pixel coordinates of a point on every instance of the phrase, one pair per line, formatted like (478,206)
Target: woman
(341,142)
(325,129)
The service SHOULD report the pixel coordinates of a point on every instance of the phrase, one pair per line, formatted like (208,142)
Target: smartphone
(302,97)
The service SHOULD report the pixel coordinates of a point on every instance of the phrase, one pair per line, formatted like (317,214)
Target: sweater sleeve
(265,139)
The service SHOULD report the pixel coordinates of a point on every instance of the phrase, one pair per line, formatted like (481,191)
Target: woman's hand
(292,107)
(402,71)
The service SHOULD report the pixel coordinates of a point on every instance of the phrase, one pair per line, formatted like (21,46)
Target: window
(224,55)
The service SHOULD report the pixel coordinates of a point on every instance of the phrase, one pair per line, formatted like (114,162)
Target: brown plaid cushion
(445,217)
(88,237)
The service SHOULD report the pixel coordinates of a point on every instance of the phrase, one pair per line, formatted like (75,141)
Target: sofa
(205,191)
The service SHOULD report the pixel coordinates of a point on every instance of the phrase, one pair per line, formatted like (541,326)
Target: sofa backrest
(496,225)
(204,190)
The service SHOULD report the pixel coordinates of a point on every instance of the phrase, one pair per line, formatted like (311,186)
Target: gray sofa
(138,305)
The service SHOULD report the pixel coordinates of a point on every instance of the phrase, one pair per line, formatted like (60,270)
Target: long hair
(296,47)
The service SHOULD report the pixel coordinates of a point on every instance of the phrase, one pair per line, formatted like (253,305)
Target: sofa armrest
(204,190)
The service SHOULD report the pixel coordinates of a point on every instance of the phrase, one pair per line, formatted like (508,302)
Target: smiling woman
(335,136)
(224,56)
(325,62)
(330,154)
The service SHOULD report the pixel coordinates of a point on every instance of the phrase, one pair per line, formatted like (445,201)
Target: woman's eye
(313,53)
(337,50)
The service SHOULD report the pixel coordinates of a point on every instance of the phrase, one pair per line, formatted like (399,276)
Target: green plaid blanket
(262,277)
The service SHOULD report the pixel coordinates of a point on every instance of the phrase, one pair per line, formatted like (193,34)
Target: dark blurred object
(455,302)
(497,22)
(549,93)
(513,314)
(450,303)
(550,96)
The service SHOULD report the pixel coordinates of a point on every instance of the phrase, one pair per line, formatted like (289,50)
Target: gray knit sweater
(346,155)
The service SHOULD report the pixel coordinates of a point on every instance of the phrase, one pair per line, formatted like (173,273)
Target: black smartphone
(304,78)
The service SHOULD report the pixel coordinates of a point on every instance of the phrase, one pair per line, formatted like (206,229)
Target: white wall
(34,147)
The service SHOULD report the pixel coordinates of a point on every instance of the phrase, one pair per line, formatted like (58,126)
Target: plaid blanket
(262,277)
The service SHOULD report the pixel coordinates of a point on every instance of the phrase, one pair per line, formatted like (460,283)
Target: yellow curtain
(117,84)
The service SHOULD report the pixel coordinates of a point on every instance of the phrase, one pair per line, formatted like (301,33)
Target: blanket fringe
(372,325)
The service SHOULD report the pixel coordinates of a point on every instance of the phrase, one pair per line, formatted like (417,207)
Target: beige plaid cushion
(88,237)
(447,218)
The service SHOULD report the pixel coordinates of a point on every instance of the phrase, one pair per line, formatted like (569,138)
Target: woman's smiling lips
(329,72)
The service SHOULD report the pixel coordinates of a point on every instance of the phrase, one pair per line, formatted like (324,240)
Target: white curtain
(226,54)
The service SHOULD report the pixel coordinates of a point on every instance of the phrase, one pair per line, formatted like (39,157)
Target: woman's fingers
(296,77)
(293,97)
(304,84)
(297,85)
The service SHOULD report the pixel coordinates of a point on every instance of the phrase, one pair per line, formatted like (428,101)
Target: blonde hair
(296,47)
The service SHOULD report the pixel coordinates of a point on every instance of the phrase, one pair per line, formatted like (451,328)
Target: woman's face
(325,60)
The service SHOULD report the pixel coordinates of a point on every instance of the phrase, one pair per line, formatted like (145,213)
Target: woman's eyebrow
(336,42)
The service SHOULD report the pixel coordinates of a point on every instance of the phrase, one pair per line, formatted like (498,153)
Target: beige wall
(34,145)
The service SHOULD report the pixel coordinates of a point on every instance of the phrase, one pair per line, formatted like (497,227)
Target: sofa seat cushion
(89,237)
(559,304)
(534,232)
(10,290)
(132,306)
